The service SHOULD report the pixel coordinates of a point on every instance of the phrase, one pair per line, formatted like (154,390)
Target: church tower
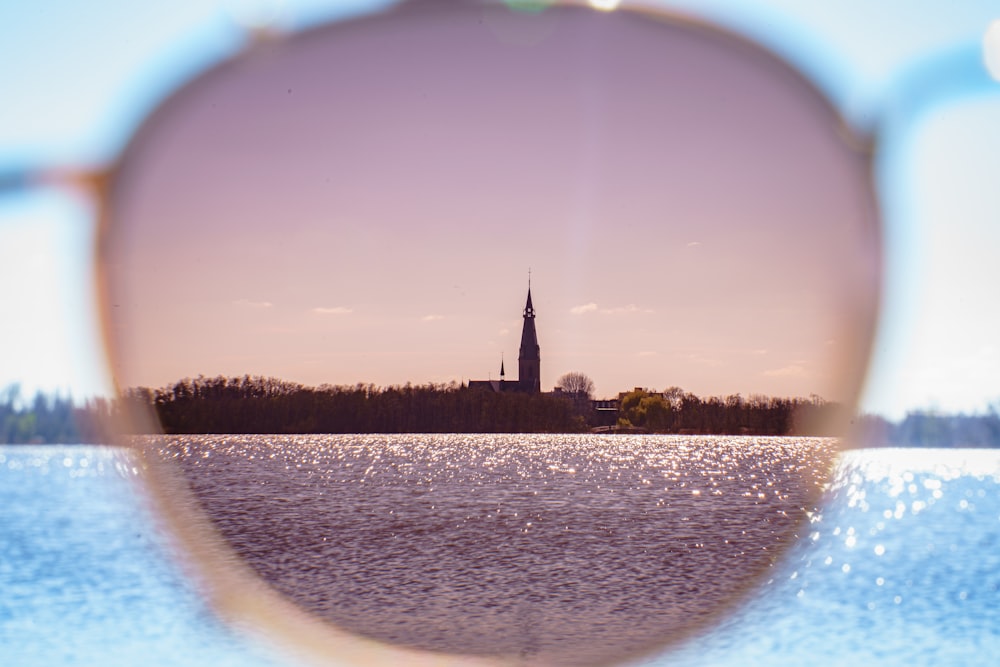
(529,360)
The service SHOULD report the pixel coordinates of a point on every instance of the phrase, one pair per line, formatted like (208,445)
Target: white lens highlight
(605,5)
(991,49)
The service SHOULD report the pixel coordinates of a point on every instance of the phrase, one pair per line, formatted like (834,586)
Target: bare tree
(576,383)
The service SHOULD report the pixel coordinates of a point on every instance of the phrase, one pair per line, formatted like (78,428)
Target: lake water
(899,565)
(564,549)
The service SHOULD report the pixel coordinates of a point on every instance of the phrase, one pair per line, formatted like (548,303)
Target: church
(528,361)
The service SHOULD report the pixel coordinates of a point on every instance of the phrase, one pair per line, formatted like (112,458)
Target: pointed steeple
(529,358)
(501,367)
(529,309)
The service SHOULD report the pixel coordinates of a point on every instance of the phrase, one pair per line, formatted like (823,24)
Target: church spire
(529,358)
(501,367)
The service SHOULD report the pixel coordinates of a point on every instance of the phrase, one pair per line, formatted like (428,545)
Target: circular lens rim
(230,585)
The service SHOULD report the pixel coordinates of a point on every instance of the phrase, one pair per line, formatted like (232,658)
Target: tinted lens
(362,203)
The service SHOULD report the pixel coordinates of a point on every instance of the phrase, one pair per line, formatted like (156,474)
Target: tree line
(924,428)
(268,405)
(677,411)
(50,418)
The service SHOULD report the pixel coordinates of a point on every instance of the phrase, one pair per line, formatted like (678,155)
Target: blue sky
(78,76)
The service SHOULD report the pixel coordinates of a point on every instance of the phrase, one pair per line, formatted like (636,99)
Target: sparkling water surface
(86,576)
(899,566)
(550,549)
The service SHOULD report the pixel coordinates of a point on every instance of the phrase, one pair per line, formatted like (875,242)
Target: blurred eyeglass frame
(229,589)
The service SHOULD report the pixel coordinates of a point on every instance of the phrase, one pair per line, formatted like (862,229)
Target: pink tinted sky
(363,204)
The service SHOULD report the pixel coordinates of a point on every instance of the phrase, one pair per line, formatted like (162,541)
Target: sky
(365,205)
(953,326)
(426,286)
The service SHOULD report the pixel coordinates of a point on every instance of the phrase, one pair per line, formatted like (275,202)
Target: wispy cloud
(431,318)
(503,332)
(647,353)
(631,308)
(694,244)
(617,310)
(247,303)
(337,310)
(793,370)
